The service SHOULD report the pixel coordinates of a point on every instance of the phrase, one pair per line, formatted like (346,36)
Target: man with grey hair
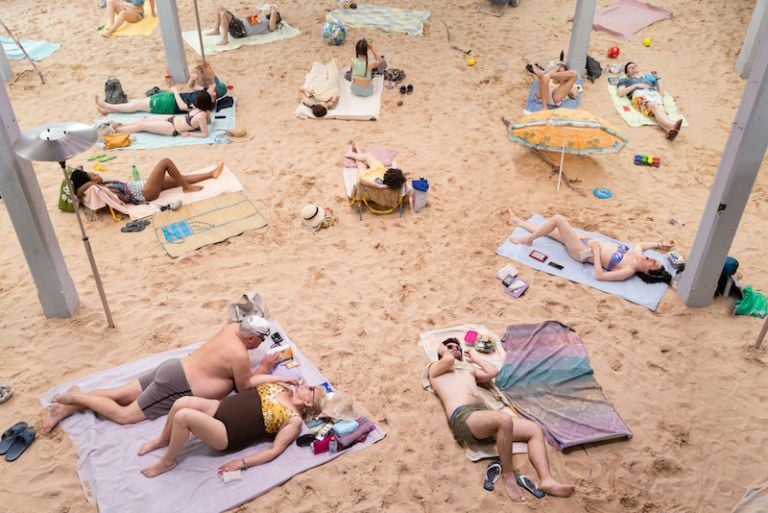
(212,371)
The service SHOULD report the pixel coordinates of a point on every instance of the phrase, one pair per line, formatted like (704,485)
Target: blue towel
(177,231)
(531,105)
(37,50)
(633,289)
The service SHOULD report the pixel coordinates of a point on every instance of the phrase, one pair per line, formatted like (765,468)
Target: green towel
(753,303)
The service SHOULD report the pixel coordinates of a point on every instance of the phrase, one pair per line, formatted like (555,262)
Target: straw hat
(312,217)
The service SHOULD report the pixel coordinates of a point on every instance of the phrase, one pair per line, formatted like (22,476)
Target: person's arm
(83,188)
(443,365)
(370,183)
(663,245)
(267,364)
(624,90)
(600,274)
(180,103)
(152,7)
(258,379)
(376,59)
(273,19)
(203,126)
(287,434)
(241,373)
(487,370)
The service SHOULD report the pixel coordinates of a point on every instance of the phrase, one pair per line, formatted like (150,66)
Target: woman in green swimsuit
(120,11)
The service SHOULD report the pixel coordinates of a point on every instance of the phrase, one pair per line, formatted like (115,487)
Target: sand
(356,296)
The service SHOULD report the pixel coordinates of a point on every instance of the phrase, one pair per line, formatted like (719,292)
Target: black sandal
(403,89)
(409,88)
(529,69)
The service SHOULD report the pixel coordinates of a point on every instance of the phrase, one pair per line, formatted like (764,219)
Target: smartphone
(555,265)
(538,255)
(220,117)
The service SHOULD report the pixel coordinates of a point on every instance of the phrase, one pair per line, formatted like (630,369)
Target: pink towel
(627,17)
(385,156)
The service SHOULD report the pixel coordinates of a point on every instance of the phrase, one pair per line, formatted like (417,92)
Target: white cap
(253,325)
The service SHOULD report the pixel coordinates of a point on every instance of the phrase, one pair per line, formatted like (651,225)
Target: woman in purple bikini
(612,262)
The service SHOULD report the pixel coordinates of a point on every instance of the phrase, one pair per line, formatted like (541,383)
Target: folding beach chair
(378,201)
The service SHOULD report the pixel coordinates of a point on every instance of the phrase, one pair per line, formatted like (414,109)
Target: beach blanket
(532,105)
(108,466)
(206,222)
(99,196)
(146,141)
(283,31)
(141,28)
(625,18)
(546,374)
(388,19)
(350,107)
(755,500)
(37,50)
(634,117)
(429,341)
(633,289)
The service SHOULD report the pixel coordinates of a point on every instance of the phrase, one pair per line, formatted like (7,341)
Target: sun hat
(312,217)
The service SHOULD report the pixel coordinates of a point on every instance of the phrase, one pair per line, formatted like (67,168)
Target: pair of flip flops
(406,89)
(135,226)
(15,440)
(493,473)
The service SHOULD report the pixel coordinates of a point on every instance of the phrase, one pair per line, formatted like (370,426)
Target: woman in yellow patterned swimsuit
(269,411)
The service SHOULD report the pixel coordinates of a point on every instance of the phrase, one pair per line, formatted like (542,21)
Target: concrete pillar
(742,157)
(172,41)
(757,31)
(582,30)
(6,73)
(26,208)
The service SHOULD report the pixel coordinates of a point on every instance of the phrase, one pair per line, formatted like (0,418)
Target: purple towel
(547,376)
(627,17)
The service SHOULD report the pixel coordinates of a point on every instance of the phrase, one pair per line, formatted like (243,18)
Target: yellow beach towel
(141,28)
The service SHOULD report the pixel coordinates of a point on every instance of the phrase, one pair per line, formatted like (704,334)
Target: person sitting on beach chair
(612,262)
(187,125)
(270,412)
(555,83)
(211,371)
(227,24)
(322,93)
(165,175)
(165,102)
(122,11)
(384,186)
(472,421)
(647,95)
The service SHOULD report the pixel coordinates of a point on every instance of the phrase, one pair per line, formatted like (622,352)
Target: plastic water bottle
(135,172)
(333,446)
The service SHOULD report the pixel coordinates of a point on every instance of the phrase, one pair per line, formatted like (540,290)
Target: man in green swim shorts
(470,420)
(165,102)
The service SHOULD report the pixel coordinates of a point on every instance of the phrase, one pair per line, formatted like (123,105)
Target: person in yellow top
(373,174)
(269,412)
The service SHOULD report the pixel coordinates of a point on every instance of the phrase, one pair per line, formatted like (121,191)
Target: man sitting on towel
(470,420)
(322,92)
(211,371)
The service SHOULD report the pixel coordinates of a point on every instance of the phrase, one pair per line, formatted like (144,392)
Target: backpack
(66,204)
(113,91)
(594,69)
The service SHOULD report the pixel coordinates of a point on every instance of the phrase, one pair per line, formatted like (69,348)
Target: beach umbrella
(572,131)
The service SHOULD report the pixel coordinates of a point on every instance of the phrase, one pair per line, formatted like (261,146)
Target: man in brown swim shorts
(470,420)
(211,371)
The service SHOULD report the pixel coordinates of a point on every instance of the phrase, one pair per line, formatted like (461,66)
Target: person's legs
(151,125)
(217,26)
(207,406)
(122,395)
(225,18)
(141,105)
(158,181)
(567,79)
(543,79)
(105,405)
(186,421)
(557,228)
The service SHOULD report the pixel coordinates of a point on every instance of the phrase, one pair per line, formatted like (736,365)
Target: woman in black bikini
(269,412)
(183,124)
(612,262)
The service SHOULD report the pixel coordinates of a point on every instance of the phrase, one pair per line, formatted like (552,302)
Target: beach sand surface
(355,297)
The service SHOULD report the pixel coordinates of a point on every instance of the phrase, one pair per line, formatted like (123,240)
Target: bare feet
(223,42)
(100,106)
(514,491)
(59,412)
(150,446)
(512,219)
(214,32)
(219,169)
(105,33)
(158,468)
(552,487)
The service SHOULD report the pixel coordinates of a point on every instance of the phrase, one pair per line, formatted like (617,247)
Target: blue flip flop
(492,474)
(20,444)
(529,485)
(10,435)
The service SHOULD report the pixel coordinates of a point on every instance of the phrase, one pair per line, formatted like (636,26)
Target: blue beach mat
(633,289)
(37,50)
(531,105)
(145,141)
(388,19)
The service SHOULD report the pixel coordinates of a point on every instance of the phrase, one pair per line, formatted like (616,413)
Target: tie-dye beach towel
(389,19)
(547,376)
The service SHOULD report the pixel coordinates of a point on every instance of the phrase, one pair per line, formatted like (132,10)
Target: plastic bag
(753,303)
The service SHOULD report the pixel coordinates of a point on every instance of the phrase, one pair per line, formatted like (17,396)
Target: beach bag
(116,141)
(753,303)
(594,69)
(113,91)
(66,204)
(251,303)
(420,188)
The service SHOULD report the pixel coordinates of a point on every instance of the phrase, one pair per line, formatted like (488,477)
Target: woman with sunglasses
(268,412)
